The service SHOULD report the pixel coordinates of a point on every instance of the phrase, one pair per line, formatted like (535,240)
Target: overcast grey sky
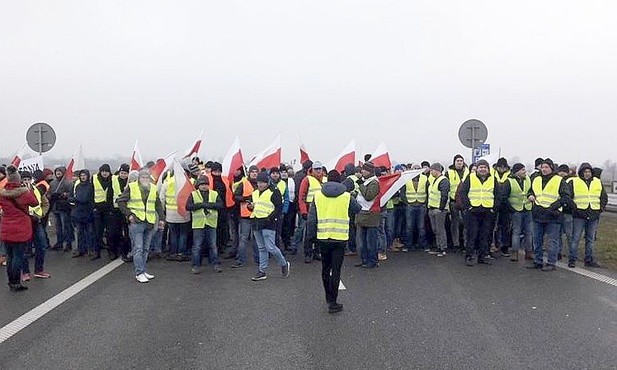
(541,74)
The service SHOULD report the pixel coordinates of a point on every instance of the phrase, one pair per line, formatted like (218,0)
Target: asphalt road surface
(414,312)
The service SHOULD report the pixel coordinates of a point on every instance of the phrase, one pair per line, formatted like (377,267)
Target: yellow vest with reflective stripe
(314,187)
(115,186)
(199,217)
(356,187)
(587,197)
(145,212)
(434,195)
(481,194)
(282,186)
(36,211)
(100,194)
(455,179)
(262,204)
(518,197)
(550,194)
(171,204)
(332,216)
(418,195)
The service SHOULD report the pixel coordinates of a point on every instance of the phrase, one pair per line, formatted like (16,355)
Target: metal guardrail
(612,203)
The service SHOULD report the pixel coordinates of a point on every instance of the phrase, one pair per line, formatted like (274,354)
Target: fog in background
(540,74)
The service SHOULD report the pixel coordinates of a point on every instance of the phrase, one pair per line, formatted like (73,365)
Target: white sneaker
(441,254)
(142,278)
(149,276)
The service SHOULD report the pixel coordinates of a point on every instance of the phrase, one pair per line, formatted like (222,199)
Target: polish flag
(348,155)
(381,156)
(269,157)
(184,187)
(233,159)
(389,185)
(76,163)
(304,156)
(19,156)
(136,161)
(195,148)
(162,165)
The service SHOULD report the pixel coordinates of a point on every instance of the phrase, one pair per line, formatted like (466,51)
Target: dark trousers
(222,231)
(279,233)
(102,221)
(14,261)
(479,233)
(118,241)
(289,225)
(502,234)
(332,254)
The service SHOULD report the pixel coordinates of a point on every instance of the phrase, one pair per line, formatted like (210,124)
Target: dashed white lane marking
(341,286)
(36,313)
(589,274)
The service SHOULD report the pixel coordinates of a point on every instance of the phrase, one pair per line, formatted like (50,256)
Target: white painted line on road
(36,313)
(341,286)
(589,274)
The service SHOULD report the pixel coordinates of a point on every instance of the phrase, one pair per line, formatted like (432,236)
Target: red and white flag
(269,157)
(76,163)
(19,155)
(304,156)
(136,161)
(233,159)
(162,165)
(194,149)
(389,185)
(184,187)
(381,156)
(348,155)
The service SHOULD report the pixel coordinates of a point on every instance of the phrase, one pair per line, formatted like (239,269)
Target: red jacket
(16,222)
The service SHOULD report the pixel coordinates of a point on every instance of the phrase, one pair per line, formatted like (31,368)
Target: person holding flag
(140,203)
(369,219)
(59,190)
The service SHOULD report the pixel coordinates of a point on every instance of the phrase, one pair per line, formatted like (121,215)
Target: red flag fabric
(381,156)
(19,155)
(184,187)
(194,149)
(233,159)
(136,161)
(304,156)
(270,156)
(389,185)
(347,155)
(162,165)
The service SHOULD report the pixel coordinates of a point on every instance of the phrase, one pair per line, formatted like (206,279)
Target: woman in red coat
(16,224)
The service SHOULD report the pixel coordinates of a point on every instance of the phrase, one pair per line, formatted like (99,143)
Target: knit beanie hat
(436,166)
(12,174)
(369,166)
(105,168)
(125,168)
(482,162)
(517,167)
(263,177)
(334,176)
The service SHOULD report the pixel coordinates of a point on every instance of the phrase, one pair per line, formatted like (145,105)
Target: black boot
(17,287)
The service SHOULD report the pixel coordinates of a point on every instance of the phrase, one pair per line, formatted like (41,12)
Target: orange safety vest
(45,185)
(247,191)
(229,196)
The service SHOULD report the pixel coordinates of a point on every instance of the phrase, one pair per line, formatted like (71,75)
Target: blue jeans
(64,228)
(551,230)
(244,233)
(85,236)
(40,245)
(156,244)
(178,236)
(207,235)
(590,227)
(141,235)
(414,217)
(14,261)
(265,240)
(522,224)
(367,239)
(566,229)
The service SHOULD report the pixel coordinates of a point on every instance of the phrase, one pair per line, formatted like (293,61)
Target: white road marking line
(36,313)
(589,274)
(341,286)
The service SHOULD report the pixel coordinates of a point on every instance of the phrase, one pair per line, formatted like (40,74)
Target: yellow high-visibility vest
(145,212)
(314,187)
(455,179)
(549,194)
(356,187)
(501,178)
(36,211)
(481,194)
(199,217)
(332,216)
(282,186)
(418,195)
(262,204)
(171,203)
(434,195)
(587,196)
(100,194)
(115,186)
(518,196)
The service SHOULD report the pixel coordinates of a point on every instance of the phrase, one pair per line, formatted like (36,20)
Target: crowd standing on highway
(484,212)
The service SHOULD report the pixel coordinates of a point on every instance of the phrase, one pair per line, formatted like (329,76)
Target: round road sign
(41,137)
(472,133)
